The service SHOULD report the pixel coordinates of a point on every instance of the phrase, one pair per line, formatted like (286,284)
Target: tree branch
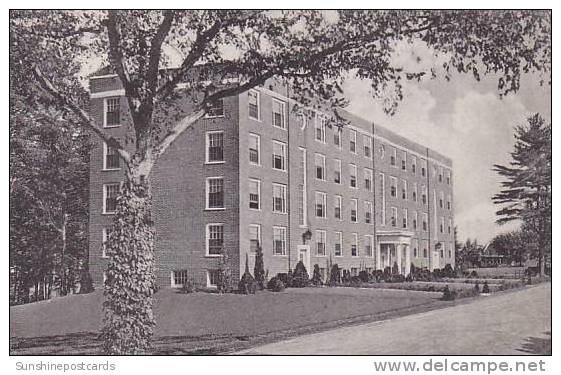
(117,58)
(86,120)
(172,134)
(156,50)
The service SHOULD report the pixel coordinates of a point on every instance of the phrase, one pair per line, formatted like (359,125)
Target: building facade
(260,170)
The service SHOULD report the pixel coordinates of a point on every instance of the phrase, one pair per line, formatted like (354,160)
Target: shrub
(448,271)
(300,278)
(378,275)
(275,285)
(485,288)
(387,271)
(316,278)
(476,288)
(412,270)
(335,275)
(473,274)
(259,268)
(247,284)
(355,281)
(346,276)
(188,286)
(286,278)
(409,278)
(364,276)
(395,268)
(86,283)
(448,295)
(224,282)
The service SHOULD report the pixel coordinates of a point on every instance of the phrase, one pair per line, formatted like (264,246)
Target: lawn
(203,323)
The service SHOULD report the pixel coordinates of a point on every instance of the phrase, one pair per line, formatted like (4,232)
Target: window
(448,177)
(423,167)
(216,109)
(424,195)
(352,172)
(254,194)
(337,171)
(214,147)
(415,219)
(404,219)
(110,193)
(449,202)
(112,112)
(320,128)
(393,219)
(440,174)
(278,114)
(214,239)
(111,160)
(413,164)
(415,192)
(354,208)
(104,237)
(393,157)
(320,167)
(367,212)
(415,254)
(338,244)
(449,226)
(253,103)
(367,146)
(383,198)
(179,278)
(254,149)
(352,141)
(368,179)
(354,245)
(368,245)
(425,222)
(321,238)
(279,155)
(212,278)
(254,237)
(404,190)
(338,206)
(279,240)
(404,161)
(279,198)
(441,200)
(215,193)
(393,187)
(337,136)
(382,150)
(425,253)
(320,204)
(441,225)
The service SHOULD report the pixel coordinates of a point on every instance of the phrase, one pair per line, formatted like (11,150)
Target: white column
(378,256)
(398,250)
(407,259)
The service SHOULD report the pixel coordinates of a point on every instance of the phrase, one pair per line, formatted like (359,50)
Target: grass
(203,323)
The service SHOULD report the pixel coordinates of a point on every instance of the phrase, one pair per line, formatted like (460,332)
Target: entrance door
(304,256)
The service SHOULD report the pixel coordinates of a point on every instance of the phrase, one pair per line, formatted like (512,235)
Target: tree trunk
(63,290)
(130,282)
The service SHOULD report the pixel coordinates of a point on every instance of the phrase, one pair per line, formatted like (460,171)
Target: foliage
(526,190)
(317,280)
(485,288)
(335,275)
(300,278)
(311,51)
(188,287)
(224,280)
(247,283)
(448,271)
(259,268)
(286,278)
(448,295)
(364,276)
(476,288)
(275,285)
(395,268)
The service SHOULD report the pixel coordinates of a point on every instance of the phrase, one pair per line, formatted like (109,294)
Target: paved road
(511,323)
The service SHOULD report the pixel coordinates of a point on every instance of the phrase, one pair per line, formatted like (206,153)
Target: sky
(468,122)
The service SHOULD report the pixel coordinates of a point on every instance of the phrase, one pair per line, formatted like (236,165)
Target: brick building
(258,171)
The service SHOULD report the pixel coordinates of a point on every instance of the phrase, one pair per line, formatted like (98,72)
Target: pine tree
(259,268)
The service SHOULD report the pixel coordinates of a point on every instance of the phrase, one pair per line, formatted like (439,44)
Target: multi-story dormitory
(254,171)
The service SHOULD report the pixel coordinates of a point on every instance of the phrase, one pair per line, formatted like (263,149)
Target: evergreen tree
(259,268)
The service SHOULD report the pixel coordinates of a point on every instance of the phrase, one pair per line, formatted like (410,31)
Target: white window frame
(414,164)
(105,212)
(321,125)
(338,240)
(338,204)
(353,172)
(323,166)
(283,232)
(425,220)
(258,105)
(105,150)
(207,145)
(370,239)
(354,242)
(105,105)
(172,277)
(416,220)
(383,198)
(404,159)
(368,209)
(258,226)
(283,113)
(337,168)
(208,279)
(207,238)
(404,212)
(415,193)
(394,155)
(441,200)
(283,191)
(207,196)
(283,148)
(393,184)
(208,115)
(354,203)
(404,188)
(323,201)
(367,142)
(339,131)
(449,202)
(258,137)
(352,139)
(258,193)
(320,233)
(394,215)
(424,167)
(368,175)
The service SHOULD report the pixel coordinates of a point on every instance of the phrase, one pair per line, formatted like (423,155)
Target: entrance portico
(394,247)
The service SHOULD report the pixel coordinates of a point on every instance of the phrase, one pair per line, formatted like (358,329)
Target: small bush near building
(355,281)
(335,275)
(275,285)
(247,284)
(476,288)
(286,278)
(316,278)
(448,271)
(473,274)
(188,287)
(300,278)
(364,276)
(395,268)
(448,295)
(259,268)
(485,288)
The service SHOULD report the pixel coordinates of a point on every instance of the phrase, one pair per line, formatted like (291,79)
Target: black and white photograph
(284,182)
